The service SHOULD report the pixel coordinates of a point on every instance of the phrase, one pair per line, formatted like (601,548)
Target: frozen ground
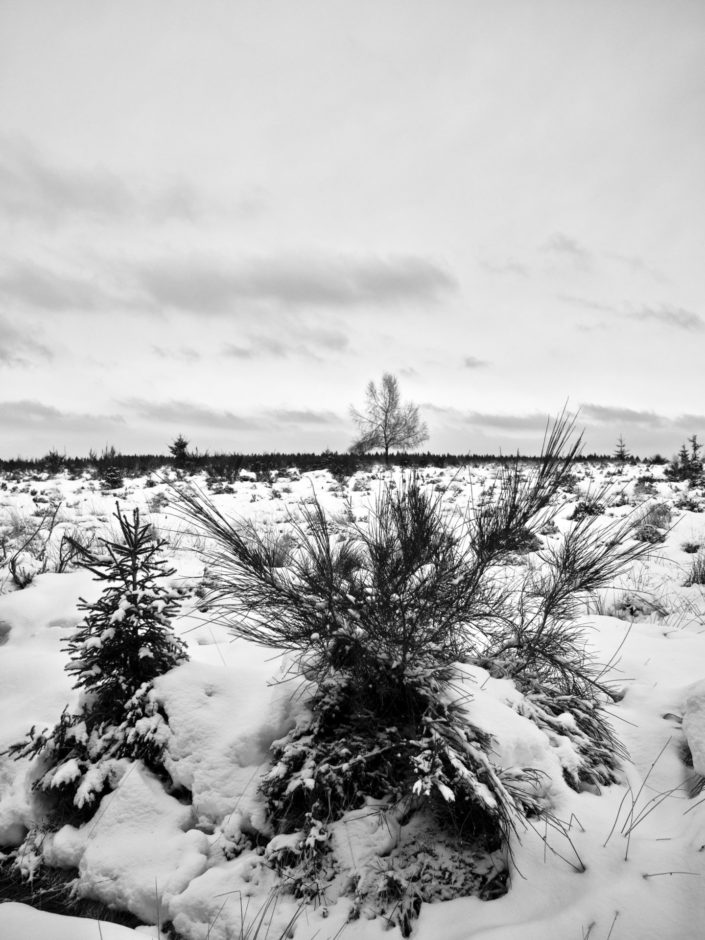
(626,863)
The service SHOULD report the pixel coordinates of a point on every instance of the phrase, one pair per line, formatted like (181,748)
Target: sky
(223,219)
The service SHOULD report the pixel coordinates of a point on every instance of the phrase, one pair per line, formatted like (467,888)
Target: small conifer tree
(621,452)
(687,465)
(124,642)
(179,450)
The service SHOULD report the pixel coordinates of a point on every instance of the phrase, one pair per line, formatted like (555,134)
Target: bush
(111,477)
(123,643)
(688,503)
(378,618)
(653,526)
(54,462)
(590,506)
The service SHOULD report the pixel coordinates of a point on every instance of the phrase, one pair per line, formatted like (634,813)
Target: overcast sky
(223,219)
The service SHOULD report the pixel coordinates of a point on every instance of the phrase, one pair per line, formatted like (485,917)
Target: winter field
(603,847)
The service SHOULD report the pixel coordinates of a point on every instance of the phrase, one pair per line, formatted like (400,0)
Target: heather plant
(690,502)
(26,545)
(696,575)
(589,506)
(654,523)
(124,642)
(645,487)
(378,618)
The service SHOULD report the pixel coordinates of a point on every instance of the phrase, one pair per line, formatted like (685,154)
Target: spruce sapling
(122,645)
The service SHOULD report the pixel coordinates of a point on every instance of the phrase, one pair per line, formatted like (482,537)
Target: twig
(614,921)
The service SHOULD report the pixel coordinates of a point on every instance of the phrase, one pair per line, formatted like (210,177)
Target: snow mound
(21,922)
(223,720)
(135,850)
(694,725)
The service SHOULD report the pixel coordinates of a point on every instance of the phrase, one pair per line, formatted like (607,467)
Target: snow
(694,724)
(224,717)
(629,860)
(20,922)
(139,849)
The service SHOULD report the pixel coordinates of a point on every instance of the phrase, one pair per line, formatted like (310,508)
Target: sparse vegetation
(584,508)
(395,610)
(27,545)
(687,464)
(697,569)
(653,525)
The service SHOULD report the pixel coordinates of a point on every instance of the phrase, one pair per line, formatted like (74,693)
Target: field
(191,854)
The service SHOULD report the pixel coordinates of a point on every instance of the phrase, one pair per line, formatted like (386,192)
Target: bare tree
(386,422)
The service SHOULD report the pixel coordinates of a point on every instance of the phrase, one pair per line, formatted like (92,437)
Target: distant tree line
(229,464)
(387,429)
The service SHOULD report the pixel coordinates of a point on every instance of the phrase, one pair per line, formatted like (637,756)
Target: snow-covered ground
(628,862)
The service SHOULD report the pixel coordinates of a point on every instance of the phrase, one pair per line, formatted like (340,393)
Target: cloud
(650,420)
(38,288)
(564,246)
(509,267)
(32,187)
(482,419)
(259,346)
(17,348)
(316,342)
(210,286)
(472,362)
(303,416)
(183,354)
(187,414)
(587,304)
(690,421)
(636,264)
(30,413)
(214,287)
(670,316)
(607,414)
(183,413)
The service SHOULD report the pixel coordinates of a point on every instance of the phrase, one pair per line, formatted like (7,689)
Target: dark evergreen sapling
(122,645)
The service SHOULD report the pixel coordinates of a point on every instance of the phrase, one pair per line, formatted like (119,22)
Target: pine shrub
(379,618)
(124,642)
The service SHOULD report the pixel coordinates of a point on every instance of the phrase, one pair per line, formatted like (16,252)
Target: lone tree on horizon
(179,450)
(621,451)
(385,422)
